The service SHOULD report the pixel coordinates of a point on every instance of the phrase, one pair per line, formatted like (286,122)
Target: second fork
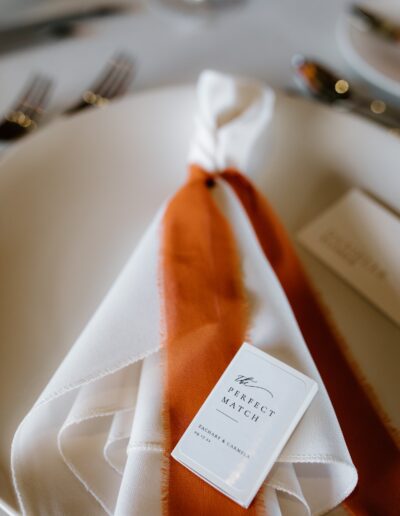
(113,82)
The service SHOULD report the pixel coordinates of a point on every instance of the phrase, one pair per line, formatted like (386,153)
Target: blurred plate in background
(375,59)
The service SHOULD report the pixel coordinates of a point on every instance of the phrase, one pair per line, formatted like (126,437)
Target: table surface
(258,38)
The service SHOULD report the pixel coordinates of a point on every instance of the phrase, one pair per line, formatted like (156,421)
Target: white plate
(375,59)
(75,197)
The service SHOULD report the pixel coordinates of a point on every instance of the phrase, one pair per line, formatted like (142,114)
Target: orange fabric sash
(372,448)
(205,323)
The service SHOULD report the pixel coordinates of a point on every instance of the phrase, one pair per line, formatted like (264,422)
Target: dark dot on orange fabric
(210,182)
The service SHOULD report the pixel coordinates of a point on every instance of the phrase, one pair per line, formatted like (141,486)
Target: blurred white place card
(359,239)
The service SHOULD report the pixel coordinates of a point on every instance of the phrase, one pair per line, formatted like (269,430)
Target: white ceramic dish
(376,60)
(75,198)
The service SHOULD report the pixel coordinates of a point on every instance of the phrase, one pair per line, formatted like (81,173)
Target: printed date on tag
(240,430)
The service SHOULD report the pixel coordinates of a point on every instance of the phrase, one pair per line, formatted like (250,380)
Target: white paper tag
(241,428)
(360,240)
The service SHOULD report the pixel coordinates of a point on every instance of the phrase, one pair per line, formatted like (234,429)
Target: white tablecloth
(257,39)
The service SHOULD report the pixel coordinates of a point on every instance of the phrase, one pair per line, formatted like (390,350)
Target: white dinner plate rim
(356,61)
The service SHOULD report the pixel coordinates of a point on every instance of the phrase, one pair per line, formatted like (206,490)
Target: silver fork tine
(34,104)
(101,85)
(41,98)
(118,64)
(124,83)
(112,82)
(27,93)
(121,79)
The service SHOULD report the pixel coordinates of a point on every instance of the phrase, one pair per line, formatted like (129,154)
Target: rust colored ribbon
(205,324)
(371,445)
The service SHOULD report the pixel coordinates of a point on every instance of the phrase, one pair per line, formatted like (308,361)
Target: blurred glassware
(199,6)
(193,9)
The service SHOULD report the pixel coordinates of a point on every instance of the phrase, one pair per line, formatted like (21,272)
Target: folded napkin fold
(95,440)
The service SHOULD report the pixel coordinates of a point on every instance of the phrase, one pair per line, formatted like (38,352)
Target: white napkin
(92,444)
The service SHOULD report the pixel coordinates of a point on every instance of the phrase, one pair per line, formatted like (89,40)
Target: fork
(113,82)
(28,110)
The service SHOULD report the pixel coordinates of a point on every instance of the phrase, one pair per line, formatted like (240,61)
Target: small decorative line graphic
(235,420)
